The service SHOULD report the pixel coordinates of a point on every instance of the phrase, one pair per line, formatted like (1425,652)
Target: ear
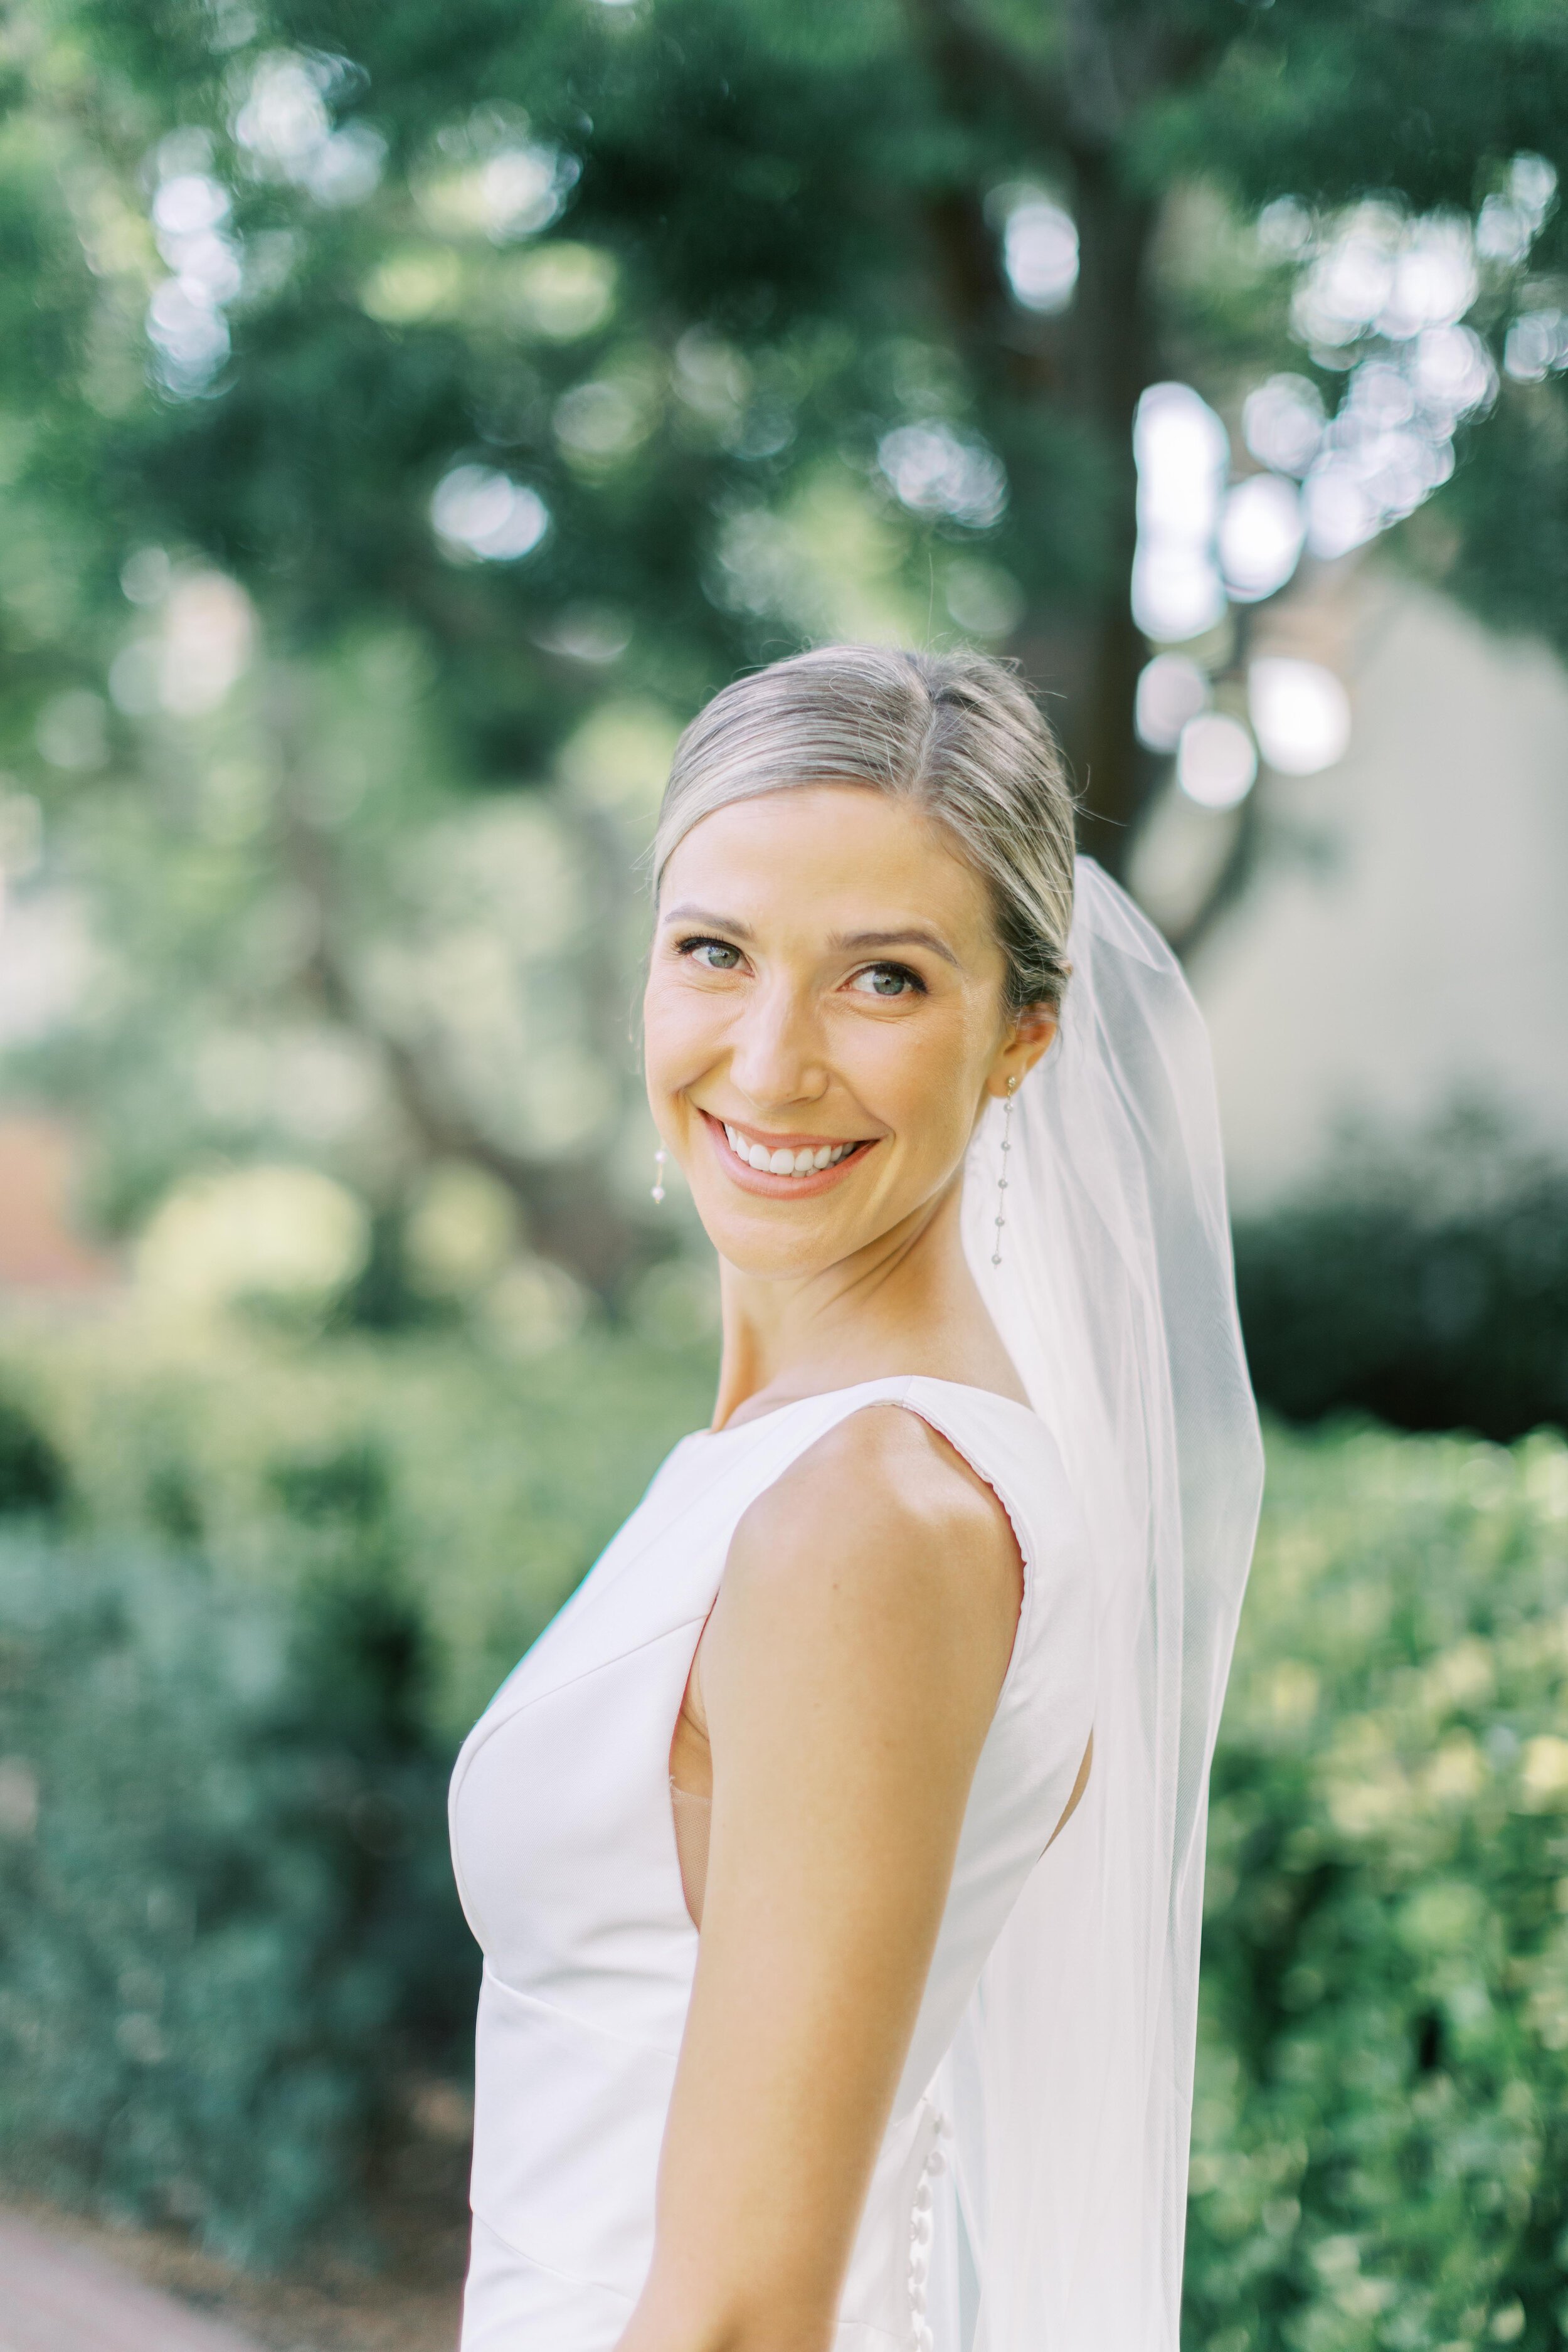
(1028,1039)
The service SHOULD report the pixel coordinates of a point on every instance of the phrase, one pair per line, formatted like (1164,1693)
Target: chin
(777,1247)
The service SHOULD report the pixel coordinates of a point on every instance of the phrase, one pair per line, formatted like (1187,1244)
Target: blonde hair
(955,733)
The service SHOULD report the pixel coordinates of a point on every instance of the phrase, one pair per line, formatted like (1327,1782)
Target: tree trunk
(1102,357)
(1112,362)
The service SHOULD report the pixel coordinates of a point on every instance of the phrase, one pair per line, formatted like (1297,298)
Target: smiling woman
(783,1031)
(801,2030)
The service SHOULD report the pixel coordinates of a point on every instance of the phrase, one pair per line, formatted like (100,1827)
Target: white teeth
(804,1161)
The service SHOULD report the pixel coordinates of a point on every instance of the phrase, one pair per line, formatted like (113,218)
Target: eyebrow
(710,922)
(855,942)
(842,942)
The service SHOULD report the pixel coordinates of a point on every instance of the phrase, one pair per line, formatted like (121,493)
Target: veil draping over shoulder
(1069,2087)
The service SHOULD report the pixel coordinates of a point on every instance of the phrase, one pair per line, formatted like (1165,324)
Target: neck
(905,1303)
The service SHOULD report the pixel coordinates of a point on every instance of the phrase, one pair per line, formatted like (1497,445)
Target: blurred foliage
(233,1667)
(347,617)
(542,368)
(229,1694)
(227,1926)
(32,1476)
(1427,1285)
(1381,2143)
(482,1484)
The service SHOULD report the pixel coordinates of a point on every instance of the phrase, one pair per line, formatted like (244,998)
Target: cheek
(925,1080)
(680,1027)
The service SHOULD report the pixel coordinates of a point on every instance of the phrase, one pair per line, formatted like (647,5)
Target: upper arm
(849,1674)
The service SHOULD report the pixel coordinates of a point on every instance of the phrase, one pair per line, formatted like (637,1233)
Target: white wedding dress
(565,1854)
(1057,2032)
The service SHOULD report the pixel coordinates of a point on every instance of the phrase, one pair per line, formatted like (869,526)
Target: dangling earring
(657,1189)
(1002,1179)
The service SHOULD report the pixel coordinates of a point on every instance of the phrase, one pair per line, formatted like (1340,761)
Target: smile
(801,1162)
(781,1164)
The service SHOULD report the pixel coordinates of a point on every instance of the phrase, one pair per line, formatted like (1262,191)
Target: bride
(836,1853)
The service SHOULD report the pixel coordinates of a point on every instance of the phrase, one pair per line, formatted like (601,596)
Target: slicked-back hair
(956,733)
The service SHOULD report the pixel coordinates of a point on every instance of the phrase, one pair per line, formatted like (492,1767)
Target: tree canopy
(409,414)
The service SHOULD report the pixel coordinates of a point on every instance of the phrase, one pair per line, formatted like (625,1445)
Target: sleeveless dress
(564,1845)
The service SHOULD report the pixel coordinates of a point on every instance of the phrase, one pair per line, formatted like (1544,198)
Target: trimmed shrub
(227,1927)
(1432,1294)
(227,1711)
(1381,2144)
(226,1924)
(491,1482)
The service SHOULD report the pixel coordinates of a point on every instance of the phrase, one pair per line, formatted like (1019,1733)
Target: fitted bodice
(564,1849)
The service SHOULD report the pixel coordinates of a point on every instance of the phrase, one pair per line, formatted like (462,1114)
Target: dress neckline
(886,1379)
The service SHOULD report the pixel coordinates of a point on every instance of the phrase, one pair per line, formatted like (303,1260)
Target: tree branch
(571,1215)
(1229,884)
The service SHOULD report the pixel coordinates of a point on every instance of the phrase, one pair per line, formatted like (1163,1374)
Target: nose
(776,1056)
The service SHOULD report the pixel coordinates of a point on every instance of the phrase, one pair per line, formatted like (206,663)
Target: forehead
(826,853)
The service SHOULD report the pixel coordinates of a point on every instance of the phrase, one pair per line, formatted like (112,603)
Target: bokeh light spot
(1260,536)
(1300,714)
(1171,690)
(936,471)
(1039,253)
(479,512)
(1216,761)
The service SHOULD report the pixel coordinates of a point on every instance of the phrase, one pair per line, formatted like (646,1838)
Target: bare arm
(849,1677)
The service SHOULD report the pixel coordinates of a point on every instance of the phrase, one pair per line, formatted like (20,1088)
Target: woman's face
(824,1016)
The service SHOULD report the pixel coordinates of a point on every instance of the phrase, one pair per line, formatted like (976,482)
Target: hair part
(957,734)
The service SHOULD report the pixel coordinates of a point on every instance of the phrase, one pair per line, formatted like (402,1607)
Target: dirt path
(72,2285)
(62,2297)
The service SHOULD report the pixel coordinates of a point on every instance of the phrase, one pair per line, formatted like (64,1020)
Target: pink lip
(778,1187)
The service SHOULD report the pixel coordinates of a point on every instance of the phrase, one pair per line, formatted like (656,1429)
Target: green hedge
(1381,2148)
(1434,1296)
(226,1923)
(275,1586)
(492,1483)
(250,1596)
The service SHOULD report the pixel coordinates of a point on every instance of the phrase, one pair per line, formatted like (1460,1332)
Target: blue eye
(889,981)
(713,955)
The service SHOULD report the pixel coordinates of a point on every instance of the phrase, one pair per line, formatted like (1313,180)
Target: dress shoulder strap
(1004,1443)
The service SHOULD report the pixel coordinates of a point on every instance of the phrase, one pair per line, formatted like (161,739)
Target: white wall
(1433,958)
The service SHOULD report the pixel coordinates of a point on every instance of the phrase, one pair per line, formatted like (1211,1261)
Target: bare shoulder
(883,1502)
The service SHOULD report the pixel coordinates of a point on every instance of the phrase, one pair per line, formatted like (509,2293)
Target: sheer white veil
(1069,2087)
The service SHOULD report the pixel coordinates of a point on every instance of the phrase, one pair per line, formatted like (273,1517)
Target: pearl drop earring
(657,1187)
(1001,1218)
